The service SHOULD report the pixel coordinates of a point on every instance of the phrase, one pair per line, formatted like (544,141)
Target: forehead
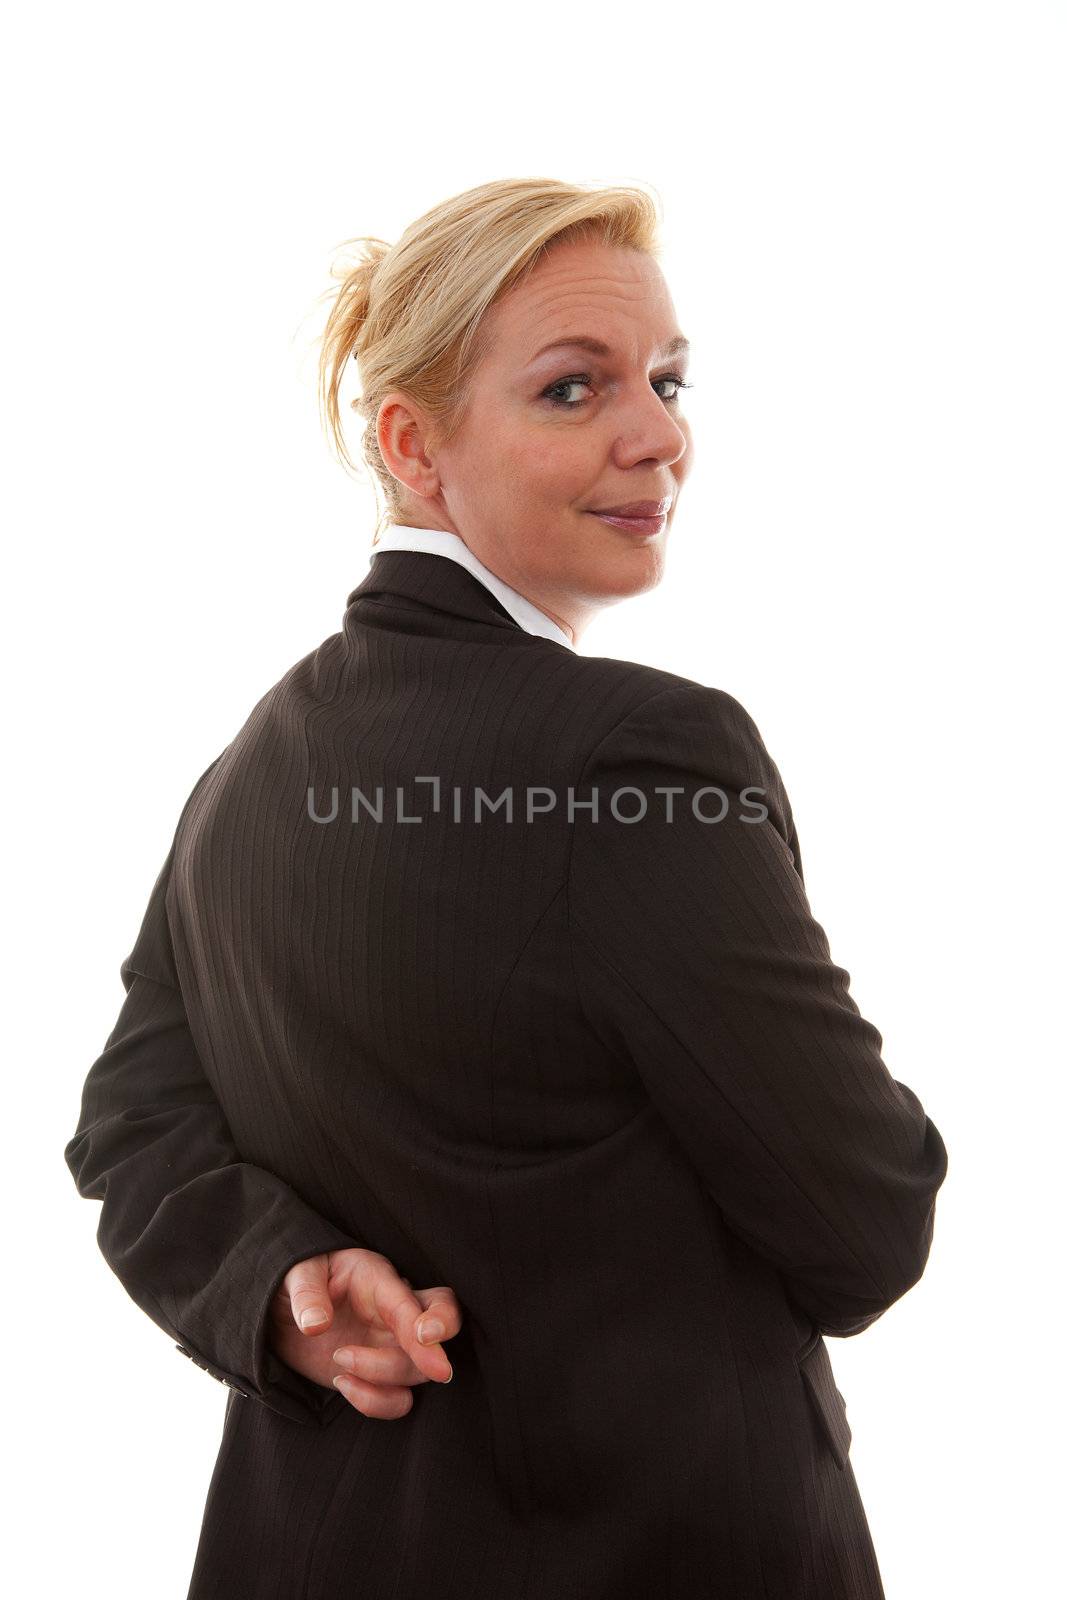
(607,299)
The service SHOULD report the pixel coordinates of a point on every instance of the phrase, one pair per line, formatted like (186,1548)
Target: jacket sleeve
(693,941)
(199,1238)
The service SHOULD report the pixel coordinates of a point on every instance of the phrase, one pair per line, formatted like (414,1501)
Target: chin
(641,571)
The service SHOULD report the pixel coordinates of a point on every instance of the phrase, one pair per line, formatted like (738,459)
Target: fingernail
(449,1378)
(344,1358)
(431,1330)
(313,1317)
(341,1383)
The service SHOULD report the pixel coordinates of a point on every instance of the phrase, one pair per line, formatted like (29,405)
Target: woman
(481,964)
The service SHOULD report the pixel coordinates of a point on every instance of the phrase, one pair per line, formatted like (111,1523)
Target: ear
(403,430)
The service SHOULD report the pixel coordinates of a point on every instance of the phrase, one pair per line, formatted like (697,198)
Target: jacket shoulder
(633,698)
(651,721)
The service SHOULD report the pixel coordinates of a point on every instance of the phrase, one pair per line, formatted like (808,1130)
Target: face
(550,437)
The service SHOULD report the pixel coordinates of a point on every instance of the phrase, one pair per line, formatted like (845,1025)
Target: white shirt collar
(402,536)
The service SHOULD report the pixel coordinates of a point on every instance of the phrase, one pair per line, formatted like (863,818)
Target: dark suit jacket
(602,1077)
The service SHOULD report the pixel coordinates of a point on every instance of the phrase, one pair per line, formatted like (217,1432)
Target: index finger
(403,1310)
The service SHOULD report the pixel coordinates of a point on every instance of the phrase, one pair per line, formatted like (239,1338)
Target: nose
(650,433)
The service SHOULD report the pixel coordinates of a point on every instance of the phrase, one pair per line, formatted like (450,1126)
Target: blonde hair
(411,313)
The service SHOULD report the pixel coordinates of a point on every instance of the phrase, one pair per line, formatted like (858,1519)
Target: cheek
(560,465)
(530,465)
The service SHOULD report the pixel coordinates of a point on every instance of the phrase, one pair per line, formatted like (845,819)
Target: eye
(552,392)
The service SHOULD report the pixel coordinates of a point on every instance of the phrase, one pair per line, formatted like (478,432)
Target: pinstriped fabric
(699,936)
(602,1077)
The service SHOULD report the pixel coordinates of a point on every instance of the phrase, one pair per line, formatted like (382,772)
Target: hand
(366,1329)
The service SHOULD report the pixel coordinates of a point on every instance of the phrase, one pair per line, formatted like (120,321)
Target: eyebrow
(597,347)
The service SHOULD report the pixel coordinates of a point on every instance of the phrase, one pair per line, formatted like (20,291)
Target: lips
(635,508)
(642,525)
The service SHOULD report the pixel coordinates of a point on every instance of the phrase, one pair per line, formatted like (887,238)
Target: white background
(864,217)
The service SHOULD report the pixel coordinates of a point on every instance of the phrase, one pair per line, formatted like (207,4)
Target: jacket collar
(416,584)
(401,536)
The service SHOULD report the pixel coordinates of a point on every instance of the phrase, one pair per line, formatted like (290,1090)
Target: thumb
(307,1285)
